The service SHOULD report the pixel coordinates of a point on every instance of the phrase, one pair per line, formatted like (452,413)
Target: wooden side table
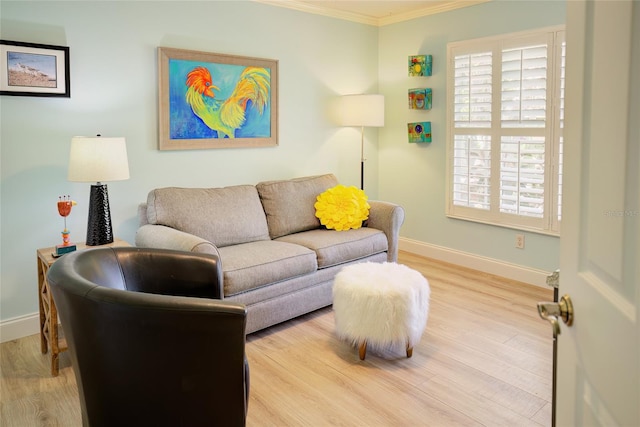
(49,339)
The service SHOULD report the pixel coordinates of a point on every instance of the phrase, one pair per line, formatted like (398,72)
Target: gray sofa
(276,257)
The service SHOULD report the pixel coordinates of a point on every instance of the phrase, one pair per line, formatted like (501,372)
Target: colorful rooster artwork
(219,101)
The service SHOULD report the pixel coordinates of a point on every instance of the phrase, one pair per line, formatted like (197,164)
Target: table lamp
(362,110)
(97,159)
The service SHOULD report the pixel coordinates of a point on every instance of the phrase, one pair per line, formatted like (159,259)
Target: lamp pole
(366,110)
(362,159)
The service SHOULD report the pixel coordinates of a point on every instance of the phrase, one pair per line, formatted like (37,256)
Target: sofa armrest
(160,236)
(387,217)
(142,214)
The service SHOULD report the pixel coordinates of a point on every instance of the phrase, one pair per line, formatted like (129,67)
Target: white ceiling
(380,12)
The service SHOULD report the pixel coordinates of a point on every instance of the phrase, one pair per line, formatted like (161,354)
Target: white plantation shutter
(473,90)
(472,171)
(504,150)
(524,87)
(522,176)
(559,131)
(559,200)
(472,109)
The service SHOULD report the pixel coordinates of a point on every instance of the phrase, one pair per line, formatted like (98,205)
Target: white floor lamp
(362,110)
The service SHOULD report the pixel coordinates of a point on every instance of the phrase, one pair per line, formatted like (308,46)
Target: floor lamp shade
(362,110)
(97,159)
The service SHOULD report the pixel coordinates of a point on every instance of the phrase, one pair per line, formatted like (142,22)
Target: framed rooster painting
(211,100)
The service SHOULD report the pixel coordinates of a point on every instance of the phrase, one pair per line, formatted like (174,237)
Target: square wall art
(419,132)
(420,65)
(420,99)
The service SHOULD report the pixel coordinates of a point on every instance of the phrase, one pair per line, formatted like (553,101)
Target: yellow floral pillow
(342,208)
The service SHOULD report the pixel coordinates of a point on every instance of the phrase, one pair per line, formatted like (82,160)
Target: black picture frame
(31,69)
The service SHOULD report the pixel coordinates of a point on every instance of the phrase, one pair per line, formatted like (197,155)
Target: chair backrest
(143,356)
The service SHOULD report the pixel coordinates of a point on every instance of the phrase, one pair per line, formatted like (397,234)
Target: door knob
(550,311)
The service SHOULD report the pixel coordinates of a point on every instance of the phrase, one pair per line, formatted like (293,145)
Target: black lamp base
(99,229)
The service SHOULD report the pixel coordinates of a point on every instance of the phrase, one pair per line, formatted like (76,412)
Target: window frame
(554,38)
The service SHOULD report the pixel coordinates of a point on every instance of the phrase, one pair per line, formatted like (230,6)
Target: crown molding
(321,10)
(426,11)
(364,19)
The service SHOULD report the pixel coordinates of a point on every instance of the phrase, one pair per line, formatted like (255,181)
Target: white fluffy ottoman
(380,305)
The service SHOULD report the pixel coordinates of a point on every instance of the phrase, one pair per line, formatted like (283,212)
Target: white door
(598,357)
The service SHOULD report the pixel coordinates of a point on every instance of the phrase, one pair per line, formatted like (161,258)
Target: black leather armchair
(150,342)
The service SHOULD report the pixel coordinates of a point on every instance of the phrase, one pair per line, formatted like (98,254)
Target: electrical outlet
(520,241)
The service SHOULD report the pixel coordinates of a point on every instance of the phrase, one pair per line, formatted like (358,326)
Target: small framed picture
(419,132)
(29,69)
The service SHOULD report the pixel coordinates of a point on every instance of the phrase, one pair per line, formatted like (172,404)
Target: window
(505,103)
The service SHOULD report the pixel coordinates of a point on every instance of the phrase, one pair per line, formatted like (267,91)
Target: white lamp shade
(96,159)
(362,110)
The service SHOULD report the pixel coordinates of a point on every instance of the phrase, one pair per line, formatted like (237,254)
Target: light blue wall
(413,175)
(114,92)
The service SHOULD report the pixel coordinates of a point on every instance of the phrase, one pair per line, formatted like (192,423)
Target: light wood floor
(484,360)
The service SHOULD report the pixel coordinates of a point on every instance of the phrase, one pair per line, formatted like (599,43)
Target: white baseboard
(19,327)
(476,262)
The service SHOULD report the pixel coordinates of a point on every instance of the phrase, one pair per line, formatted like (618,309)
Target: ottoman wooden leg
(409,350)
(362,350)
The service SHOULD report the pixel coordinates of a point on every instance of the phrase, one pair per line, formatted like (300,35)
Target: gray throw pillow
(223,216)
(288,204)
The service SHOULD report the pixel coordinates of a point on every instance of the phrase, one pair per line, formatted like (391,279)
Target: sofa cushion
(224,216)
(336,247)
(251,265)
(289,204)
